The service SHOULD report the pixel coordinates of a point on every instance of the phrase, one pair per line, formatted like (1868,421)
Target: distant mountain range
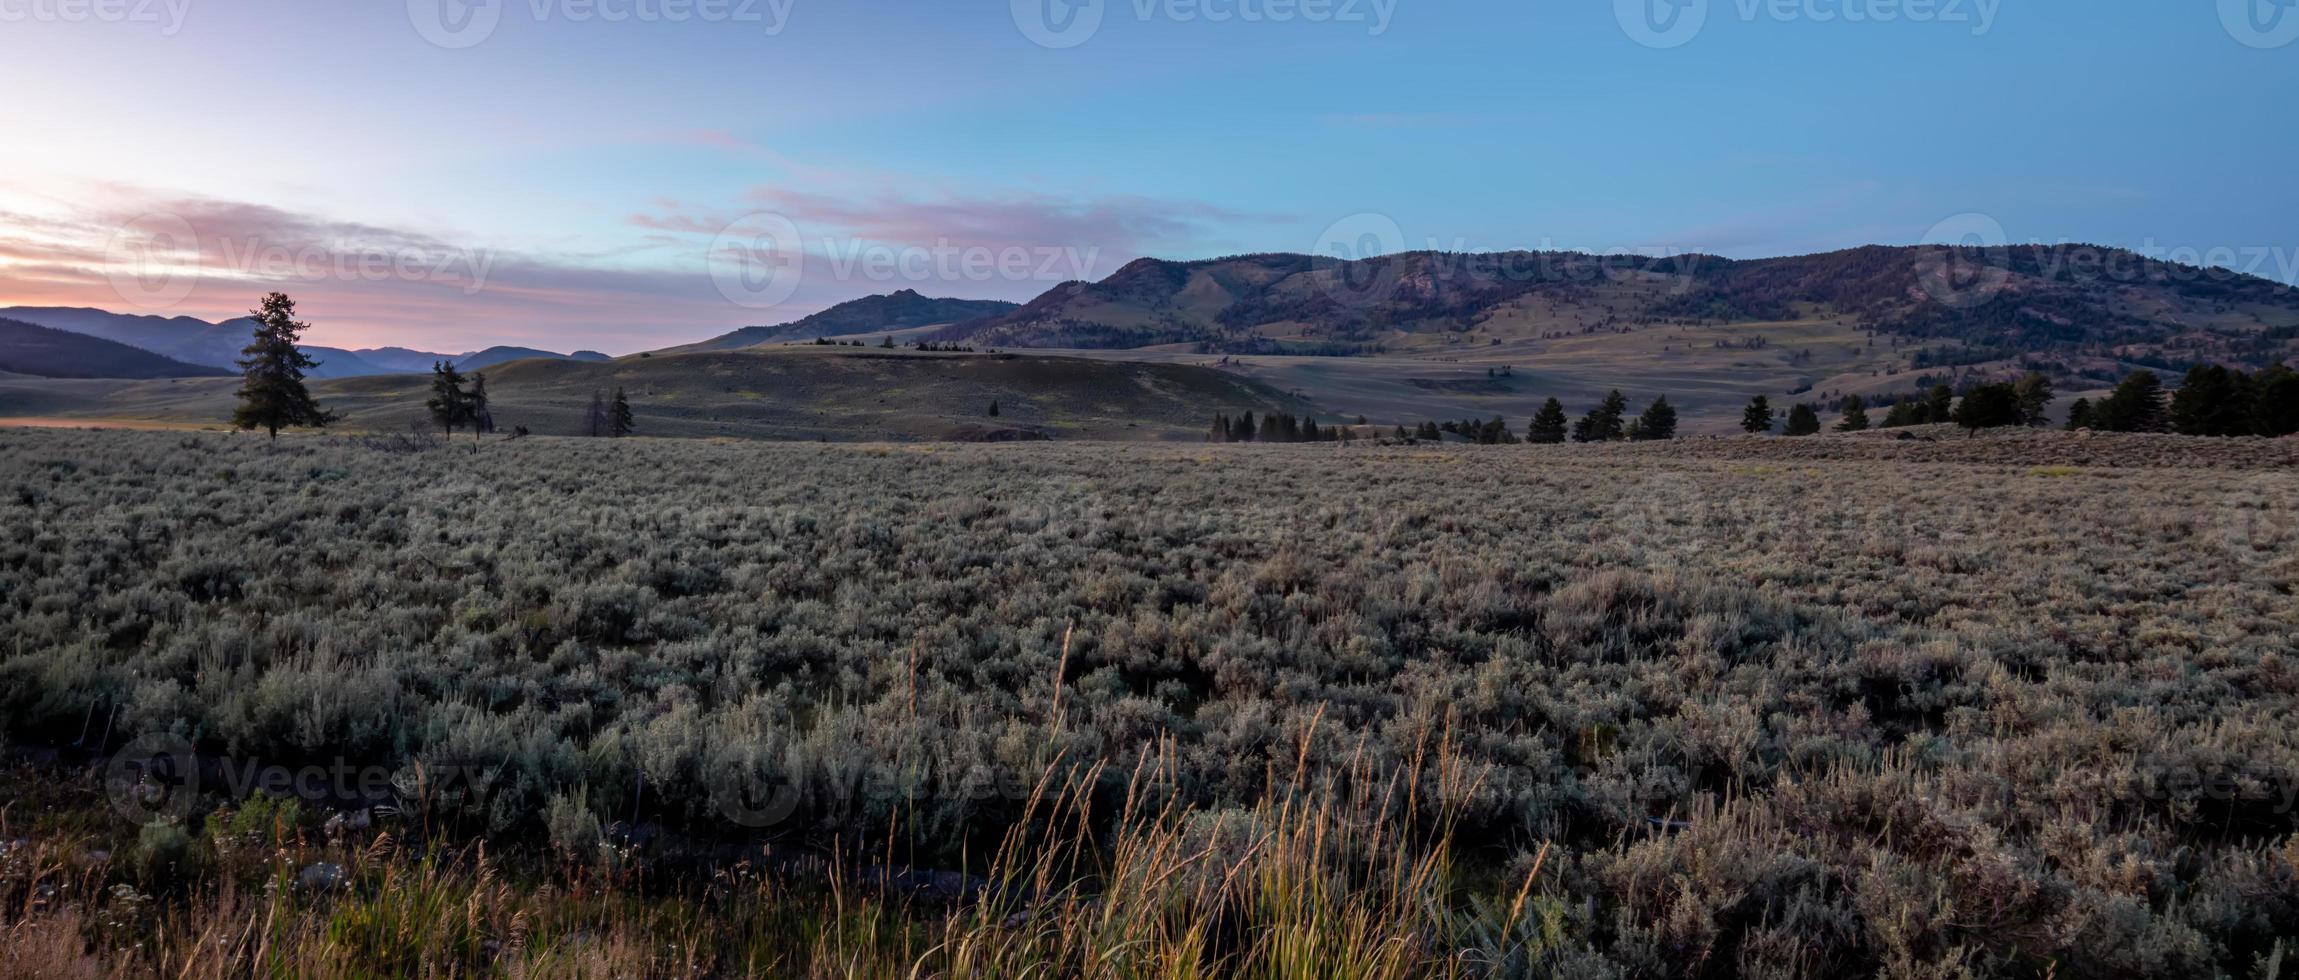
(1976,305)
(212,346)
(897,311)
(38,351)
(1424,334)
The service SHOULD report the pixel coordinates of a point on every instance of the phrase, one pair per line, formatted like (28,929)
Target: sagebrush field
(2013,706)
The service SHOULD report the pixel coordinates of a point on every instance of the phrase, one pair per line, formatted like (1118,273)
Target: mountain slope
(900,310)
(1962,306)
(44,352)
(196,341)
(492,356)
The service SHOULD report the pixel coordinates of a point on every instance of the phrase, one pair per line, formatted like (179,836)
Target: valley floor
(2017,705)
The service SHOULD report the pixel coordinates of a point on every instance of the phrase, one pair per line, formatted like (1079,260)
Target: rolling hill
(804,392)
(39,351)
(196,341)
(1439,335)
(901,310)
(1963,306)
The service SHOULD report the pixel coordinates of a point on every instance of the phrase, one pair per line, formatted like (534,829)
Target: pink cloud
(371,285)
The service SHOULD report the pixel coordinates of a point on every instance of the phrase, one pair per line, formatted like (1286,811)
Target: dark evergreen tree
(2079,414)
(1803,420)
(1855,415)
(1549,424)
(2034,392)
(1988,406)
(450,405)
(622,424)
(2212,401)
(2275,401)
(993,408)
(1220,432)
(1940,405)
(482,418)
(2136,405)
(1658,423)
(1757,417)
(271,394)
(1246,431)
(1605,422)
(1900,415)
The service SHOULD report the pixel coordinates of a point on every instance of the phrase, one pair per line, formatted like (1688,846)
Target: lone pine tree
(450,405)
(1757,417)
(621,422)
(272,395)
(1548,424)
(1855,415)
(1803,420)
(1658,423)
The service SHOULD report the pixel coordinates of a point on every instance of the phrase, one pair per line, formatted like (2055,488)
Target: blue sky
(552,177)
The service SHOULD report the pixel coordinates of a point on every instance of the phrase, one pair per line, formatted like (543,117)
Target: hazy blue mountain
(27,348)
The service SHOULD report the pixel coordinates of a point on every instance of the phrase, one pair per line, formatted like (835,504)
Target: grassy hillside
(1427,335)
(29,349)
(801,392)
(2060,301)
(898,312)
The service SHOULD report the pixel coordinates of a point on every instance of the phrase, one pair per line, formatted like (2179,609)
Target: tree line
(2212,400)
(273,394)
(1607,422)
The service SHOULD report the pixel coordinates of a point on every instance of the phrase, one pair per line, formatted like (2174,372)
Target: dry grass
(2001,707)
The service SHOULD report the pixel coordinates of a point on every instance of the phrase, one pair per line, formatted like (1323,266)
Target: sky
(623,175)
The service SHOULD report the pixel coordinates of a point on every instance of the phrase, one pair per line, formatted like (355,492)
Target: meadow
(2015,705)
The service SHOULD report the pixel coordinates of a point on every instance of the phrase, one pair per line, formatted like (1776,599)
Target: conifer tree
(2034,393)
(1855,415)
(1988,406)
(2136,405)
(1757,417)
(2212,401)
(2079,414)
(1548,425)
(1901,414)
(622,424)
(2275,401)
(1658,423)
(271,395)
(1940,405)
(482,419)
(1604,422)
(1803,420)
(1220,432)
(450,405)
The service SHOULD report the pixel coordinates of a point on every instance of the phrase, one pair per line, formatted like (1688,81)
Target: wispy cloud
(362,284)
